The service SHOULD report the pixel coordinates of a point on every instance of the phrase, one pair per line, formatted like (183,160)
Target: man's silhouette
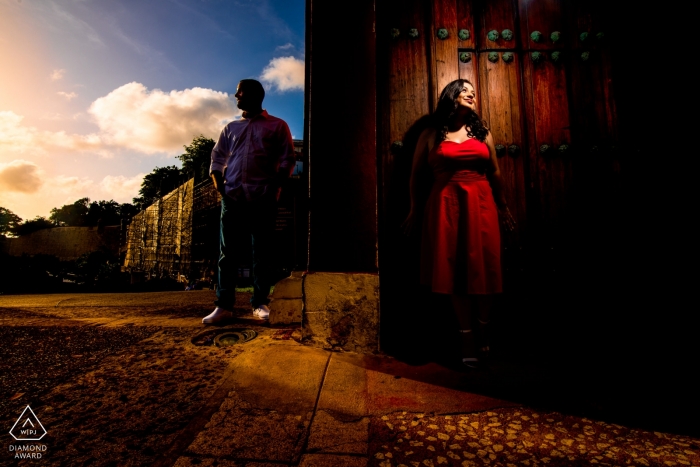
(249,163)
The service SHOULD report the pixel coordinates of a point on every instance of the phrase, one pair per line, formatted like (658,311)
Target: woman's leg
(483,304)
(463,307)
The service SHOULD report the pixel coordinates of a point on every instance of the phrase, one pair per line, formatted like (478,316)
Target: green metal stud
(536,36)
(464,34)
(395,33)
(500,150)
(600,36)
(563,149)
(585,56)
(442,33)
(544,148)
(513,150)
(537,57)
(507,34)
(556,56)
(465,57)
(493,57)
(555,36)
(413,33)
(396,147)
(583,36)
(508,57)
(493,35)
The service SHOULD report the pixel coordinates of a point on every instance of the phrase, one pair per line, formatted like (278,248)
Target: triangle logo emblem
(28,427)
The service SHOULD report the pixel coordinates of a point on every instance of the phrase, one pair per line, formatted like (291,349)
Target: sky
(95,94)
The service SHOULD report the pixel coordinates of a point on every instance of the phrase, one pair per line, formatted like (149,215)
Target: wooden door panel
(469,70)
(465,20)
(544,16)
(497,15)
(404,94)
(408,71)
(592,105)
(444,60)
(546,101)
(499,94)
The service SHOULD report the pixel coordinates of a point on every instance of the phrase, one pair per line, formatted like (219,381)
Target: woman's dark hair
(447,108)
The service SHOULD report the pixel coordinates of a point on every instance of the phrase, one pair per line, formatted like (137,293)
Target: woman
(461,239)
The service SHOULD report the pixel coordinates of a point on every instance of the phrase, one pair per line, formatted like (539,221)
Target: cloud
(57,74)
(153,121)
(67,95)
(284,73)
(16,138)
(120,188)
(63,183)
(130,117)
(20,176)
(51,192)
(287,46)
(77,25)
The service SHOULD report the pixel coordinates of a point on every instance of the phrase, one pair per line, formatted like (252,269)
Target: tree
(158,183)
(30,226)
(127,211)
(197,158)
(71,215)
(8,221)
(103,213)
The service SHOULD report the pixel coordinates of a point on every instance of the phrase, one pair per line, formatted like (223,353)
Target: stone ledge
(287,303)
(341,310)
(335,310)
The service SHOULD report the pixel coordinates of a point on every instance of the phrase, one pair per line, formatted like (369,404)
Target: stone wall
(160,237)
(66,243)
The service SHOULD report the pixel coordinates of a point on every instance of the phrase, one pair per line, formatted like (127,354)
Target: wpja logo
(28,428)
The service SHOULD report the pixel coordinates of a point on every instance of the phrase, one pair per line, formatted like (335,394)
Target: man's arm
(218,162)
(218,179)
(286,157)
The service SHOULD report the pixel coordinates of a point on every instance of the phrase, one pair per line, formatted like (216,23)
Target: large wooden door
(542,73)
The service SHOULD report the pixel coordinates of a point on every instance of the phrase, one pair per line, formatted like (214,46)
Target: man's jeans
(246,221)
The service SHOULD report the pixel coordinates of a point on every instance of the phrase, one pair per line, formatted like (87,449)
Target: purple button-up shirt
(253,154)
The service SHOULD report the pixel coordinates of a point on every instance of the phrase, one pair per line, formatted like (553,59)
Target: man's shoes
(219,315)
(262,312)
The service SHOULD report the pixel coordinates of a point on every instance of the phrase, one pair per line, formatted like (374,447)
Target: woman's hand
(506,219)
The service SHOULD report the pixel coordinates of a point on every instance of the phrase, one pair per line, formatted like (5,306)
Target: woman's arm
(496,181)
(426,141)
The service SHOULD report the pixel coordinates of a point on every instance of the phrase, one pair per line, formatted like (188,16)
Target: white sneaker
(262,312)
(217,316)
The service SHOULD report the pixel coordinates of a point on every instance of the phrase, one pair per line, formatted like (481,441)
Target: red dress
(461,249)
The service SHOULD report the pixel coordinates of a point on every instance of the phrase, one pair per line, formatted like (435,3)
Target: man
(249,163)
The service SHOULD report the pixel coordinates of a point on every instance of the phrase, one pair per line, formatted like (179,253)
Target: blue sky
(94,94)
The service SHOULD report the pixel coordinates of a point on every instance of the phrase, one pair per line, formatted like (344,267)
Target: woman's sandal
(470,362)
(484,339)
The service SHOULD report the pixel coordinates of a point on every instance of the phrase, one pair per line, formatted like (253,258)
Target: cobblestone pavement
(134,380)
(112,385)
(520,437)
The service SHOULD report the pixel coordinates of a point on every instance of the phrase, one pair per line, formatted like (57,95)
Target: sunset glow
(95,95)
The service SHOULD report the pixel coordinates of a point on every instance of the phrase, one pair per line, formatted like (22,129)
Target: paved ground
(134,379)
